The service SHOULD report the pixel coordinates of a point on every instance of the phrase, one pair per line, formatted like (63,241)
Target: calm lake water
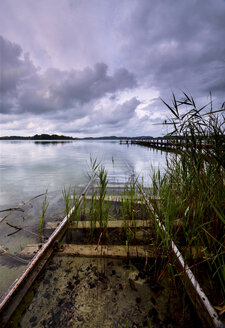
(29,168)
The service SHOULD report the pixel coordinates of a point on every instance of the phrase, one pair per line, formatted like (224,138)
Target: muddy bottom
(87,292)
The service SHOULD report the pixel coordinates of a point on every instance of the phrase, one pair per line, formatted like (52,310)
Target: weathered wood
(119,199)
(19,288)
(169,144)
(111,224)
(115,251)
(150,251)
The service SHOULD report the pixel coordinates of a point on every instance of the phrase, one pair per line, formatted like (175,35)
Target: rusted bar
(19,288)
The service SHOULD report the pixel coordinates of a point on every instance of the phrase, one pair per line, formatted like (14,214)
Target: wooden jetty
(173,144)
(42,252)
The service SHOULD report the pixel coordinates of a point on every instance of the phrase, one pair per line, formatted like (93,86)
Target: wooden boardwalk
(169,143)
(40,253)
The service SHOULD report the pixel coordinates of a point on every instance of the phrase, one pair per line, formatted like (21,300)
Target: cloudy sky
(100,67)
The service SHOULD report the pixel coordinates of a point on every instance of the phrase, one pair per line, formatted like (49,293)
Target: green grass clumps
(130,210)
(93,210)
(72,210)
(45,205)
(99,206)
(192,190)
(192,209)
(102,203)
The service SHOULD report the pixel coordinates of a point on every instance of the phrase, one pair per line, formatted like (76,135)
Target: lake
(29,168)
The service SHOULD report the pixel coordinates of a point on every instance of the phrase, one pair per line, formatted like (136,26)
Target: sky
(100,68)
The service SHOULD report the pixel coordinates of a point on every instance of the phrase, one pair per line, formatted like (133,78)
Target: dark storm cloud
(118,115)
(105,120)
(55,89)
(16,70)
(89,84)
(156,46)
(16,67)
(177,44)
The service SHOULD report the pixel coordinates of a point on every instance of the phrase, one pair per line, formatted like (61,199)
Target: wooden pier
(168,143)
(40,253)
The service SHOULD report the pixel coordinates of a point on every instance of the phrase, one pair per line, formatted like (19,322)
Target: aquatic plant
(93,212)
(45,205)
(71,202)
(67,199)
(129,209)
(83,210)
(103,205)
(192,190)
(94,166)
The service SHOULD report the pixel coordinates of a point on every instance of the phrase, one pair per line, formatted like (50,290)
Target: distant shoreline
(55,137)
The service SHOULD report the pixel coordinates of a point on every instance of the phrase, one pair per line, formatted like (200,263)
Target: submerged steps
(110,224)
(117,198)
(204,309)
(116,251)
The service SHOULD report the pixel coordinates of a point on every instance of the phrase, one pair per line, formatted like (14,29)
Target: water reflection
(52,143)
(28,168)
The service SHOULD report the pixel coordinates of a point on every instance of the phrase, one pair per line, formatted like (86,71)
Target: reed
(192,190)
(129,209)
(93,211)
(45,205)
(67,200)
(103,205)
(98,207)
(71,202)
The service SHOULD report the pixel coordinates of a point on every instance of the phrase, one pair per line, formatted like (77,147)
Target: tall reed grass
(192,190)
(45,205)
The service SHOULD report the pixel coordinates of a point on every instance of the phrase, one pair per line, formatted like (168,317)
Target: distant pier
(170,143)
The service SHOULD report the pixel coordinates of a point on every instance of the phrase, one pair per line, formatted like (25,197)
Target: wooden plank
(10,301)
(108,250)
(118,198)
(111,224)
(116,251)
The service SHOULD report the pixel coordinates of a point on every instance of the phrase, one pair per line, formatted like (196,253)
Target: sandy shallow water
(96,292)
